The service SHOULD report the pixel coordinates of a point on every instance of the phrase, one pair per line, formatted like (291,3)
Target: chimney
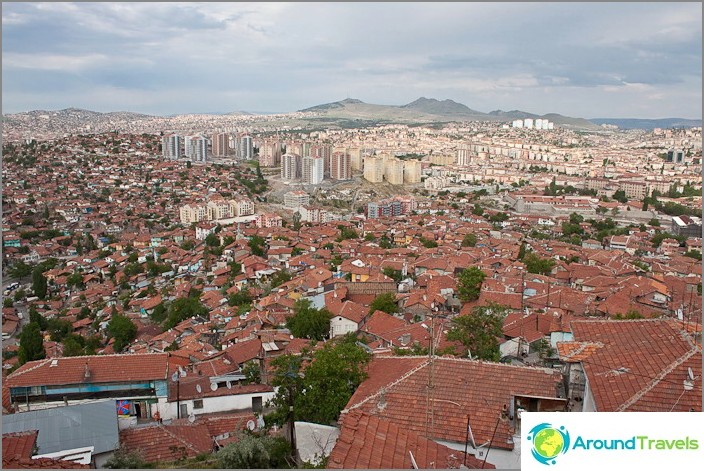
(86,373)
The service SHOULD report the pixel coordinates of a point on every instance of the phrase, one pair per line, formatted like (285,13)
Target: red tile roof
(102,368)
(167,443)
(368,442)
(18,445)
(396,389)
(642,365)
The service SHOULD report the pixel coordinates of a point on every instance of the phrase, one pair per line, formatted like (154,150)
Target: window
(257,404)
(198,404)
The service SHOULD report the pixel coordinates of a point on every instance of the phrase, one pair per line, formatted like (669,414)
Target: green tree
(31,344)
(252,372)
(396,275)
(576,218)
(347,233)
(123,330)
(384,302)
(428,243)
(330,380)
(257,245)
(535,264)
(469,283)
(124,458)
(39,283)
(74,345)
(212,240)
(252,451)
(469,240)
(159,313)
(58,328)
(308,322)
(479,330)
(183,308)
(75,279)
(19,270)
(239,298)
(280,278)
(320,391)
(620,196)
(36,318)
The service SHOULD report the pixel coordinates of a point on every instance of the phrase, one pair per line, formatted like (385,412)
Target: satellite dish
(251,425)
(198,388)
(174,377)
(191,418)
(690,373)
(181,372)
(213,386)
(688,385)
(229,385)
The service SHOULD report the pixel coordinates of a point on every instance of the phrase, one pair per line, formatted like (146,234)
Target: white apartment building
(374,169)
(294,199)
(313,169)
(290,166)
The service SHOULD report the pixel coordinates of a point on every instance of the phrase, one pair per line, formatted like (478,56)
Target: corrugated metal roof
(68,427)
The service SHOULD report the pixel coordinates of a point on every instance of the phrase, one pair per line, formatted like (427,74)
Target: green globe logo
(548,442)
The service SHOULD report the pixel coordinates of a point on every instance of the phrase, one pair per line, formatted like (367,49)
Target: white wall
(315,441)
(502,459)
(589,404)
(341,326)
(214,404)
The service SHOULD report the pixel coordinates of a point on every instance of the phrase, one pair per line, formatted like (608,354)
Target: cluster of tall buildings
(530,123)
(216,209)
(198,148)
(395,171)
(317,165)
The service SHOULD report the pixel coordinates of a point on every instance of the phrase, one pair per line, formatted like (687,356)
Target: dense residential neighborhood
(178,307)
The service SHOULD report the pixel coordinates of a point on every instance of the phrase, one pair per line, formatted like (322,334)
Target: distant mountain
(426,110)
(443,108)
(334,105)
(511,115)
(648,124)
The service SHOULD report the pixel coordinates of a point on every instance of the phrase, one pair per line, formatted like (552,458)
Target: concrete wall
(315,441)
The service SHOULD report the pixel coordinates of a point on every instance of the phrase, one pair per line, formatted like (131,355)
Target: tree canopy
(123,330)
(308,322)
(470,240)
(252,451)
(321,390)
(469,284)
(384,302)
(31,344)
(39,284)
(183,308)
(479,330)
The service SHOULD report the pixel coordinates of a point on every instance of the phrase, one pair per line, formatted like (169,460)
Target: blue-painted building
(137,383)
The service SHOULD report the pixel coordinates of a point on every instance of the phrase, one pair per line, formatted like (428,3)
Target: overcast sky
(639,60)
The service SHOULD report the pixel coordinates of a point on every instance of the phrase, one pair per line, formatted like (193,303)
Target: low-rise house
(139,381)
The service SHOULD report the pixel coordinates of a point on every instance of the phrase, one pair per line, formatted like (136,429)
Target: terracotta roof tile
(368,442)
(18,445)
(396,389)
(642,365)
(167,443)
(102,368)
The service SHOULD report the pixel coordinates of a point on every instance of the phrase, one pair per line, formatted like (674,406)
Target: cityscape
(372,273)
